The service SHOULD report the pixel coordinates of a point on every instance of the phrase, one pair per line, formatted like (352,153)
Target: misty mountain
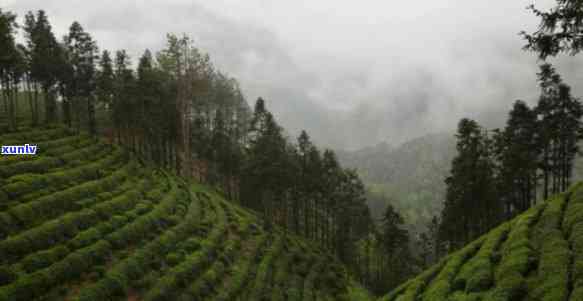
(409,176)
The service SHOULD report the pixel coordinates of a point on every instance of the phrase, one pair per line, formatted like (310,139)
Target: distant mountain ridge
(410,176)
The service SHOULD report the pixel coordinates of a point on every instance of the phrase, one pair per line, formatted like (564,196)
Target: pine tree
(394,236)
(220,147)
(433,235)
(123,96)
(559,128)
(105,80)
(430,244)
(471,206)
(313,191)
(147,91)
(425,249)
(549,82)
(9,62)
(570,130)
(394,244)
(272,150)
(267,159)
(45,60)
(517,151)
(301,204)
(32,82)
(83,54)
(66,84)
(560,29)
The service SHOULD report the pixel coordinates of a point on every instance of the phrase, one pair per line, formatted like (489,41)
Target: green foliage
(554,254)
(26,183)
(517,258)
(444,284)
(41,135)
(241,272)
(412,289)
(43,259)
(37,166)
(53,205)
(357,293)
(264,268)
(573,227)
(558,30)
(471,205)
(7,275)
(517,150)
(534,256)
(187,270)
(173,259)
(478,273)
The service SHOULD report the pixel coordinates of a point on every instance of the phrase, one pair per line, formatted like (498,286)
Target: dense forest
(173,109)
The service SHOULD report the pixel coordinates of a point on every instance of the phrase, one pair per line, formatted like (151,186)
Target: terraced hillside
(536,256)
(82,220)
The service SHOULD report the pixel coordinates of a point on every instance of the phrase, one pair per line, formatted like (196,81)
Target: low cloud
(352,74)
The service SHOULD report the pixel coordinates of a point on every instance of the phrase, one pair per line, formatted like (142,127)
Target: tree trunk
(36,113)
(546,174)
(30,100)
(65,106)
(91,116)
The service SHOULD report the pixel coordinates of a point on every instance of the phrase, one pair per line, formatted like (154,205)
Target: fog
(352,73)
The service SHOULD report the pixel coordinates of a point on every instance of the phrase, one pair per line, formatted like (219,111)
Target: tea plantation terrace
(83,220)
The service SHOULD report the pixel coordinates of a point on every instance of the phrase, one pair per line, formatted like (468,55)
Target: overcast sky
(352,73)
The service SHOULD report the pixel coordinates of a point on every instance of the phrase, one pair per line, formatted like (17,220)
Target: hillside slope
(82,220)
(536,256)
